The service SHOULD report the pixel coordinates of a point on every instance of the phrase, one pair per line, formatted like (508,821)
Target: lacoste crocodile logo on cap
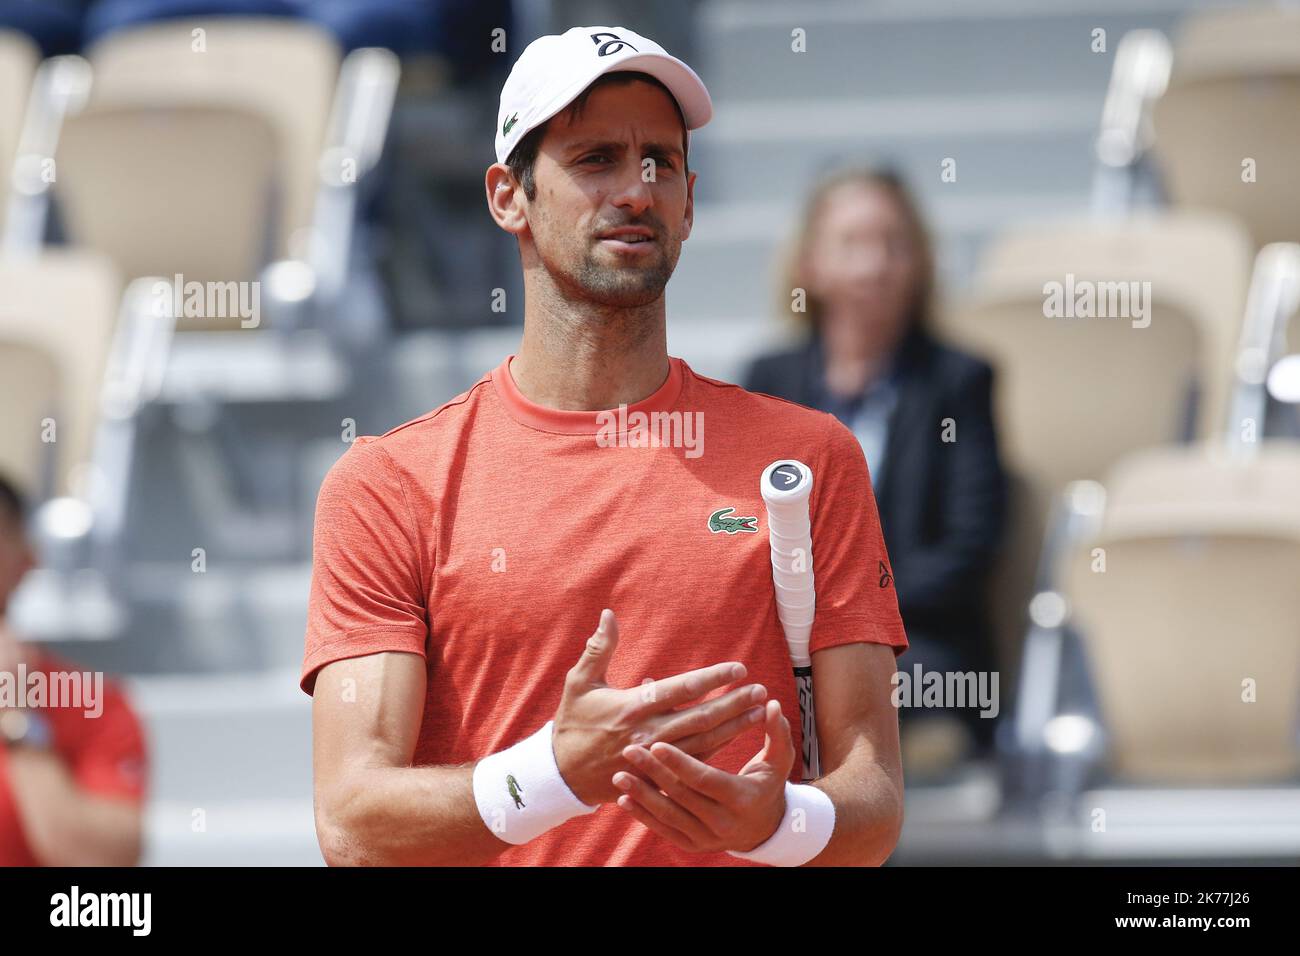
(509,125)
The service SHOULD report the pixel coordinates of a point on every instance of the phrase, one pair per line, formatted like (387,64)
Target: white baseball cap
(554,69)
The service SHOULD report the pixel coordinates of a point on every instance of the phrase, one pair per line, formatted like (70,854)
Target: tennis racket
(786,485)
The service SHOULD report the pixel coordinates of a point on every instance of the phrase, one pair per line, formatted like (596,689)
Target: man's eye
(593,156)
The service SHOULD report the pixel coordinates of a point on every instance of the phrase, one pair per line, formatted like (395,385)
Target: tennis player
(542,626)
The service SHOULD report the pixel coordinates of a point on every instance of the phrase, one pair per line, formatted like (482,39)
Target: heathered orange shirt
(487,535)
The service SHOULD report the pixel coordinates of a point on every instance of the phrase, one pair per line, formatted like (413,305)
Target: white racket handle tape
(787,521)
(786,485)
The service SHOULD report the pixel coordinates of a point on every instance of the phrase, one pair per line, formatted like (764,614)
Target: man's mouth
(629,234)
(628,240)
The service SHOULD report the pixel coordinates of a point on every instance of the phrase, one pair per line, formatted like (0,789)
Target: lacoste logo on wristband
(516,791)
(718,521)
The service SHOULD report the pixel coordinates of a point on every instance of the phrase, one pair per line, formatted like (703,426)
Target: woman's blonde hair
(792,269)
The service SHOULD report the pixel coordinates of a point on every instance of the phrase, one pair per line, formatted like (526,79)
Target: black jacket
(942,504)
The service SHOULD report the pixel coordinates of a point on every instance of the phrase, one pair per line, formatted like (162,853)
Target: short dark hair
(523,157)
(13,504)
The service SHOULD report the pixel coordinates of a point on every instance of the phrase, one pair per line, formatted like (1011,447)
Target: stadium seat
(1191,631)
(1233,97)
(282,70)
(1076,394)
(18,59)
(170,191)
(58,314)
(29,387)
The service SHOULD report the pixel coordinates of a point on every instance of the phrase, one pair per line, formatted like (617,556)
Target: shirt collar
(564,422)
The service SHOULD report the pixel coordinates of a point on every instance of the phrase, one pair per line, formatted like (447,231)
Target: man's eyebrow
(609,144)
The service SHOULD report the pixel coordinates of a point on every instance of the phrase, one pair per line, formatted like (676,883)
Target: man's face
(602,178)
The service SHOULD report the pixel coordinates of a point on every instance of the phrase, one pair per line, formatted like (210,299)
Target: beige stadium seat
(171,192)
(29,389)
(18,61)
(1197,612)
(1075,394)
(283,70)
(1234,95)
(57,319)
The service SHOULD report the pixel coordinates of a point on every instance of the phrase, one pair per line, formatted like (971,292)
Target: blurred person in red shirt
(72,773)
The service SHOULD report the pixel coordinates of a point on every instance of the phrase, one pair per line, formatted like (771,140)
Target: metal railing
(1273,298)
(1143,62)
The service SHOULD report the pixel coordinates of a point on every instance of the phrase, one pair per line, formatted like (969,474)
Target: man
(71,771)
(463,710)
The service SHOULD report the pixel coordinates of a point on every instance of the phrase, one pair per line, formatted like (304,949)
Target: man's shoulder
(446,416)
(760,404)
(413,441)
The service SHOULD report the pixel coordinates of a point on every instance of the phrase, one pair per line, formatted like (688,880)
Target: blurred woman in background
(922,411)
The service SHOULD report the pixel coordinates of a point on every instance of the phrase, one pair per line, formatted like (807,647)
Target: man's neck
(581,356)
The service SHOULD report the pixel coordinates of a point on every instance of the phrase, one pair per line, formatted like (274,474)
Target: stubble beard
(624,286)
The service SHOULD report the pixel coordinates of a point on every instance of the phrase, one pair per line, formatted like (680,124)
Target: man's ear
(689,214)
(505,199)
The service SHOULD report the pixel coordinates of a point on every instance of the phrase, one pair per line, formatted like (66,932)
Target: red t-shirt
(105,754)
(487,535)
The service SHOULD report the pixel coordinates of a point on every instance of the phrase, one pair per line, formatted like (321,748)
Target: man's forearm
(404,816)
(868,812)
(65,826)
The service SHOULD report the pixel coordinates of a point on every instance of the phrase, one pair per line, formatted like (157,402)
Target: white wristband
(804,831)
(520,793)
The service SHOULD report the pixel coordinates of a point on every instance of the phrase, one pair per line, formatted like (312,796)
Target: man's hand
(702,809)
(595,723)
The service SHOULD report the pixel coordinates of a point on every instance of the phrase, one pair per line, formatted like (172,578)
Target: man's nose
(633,190)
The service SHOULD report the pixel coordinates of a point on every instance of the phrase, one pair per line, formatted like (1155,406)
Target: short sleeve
(108,755)
(856,600)
(366,583)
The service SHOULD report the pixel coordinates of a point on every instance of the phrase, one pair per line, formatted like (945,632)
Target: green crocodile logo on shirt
(718,521)
(516,792)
